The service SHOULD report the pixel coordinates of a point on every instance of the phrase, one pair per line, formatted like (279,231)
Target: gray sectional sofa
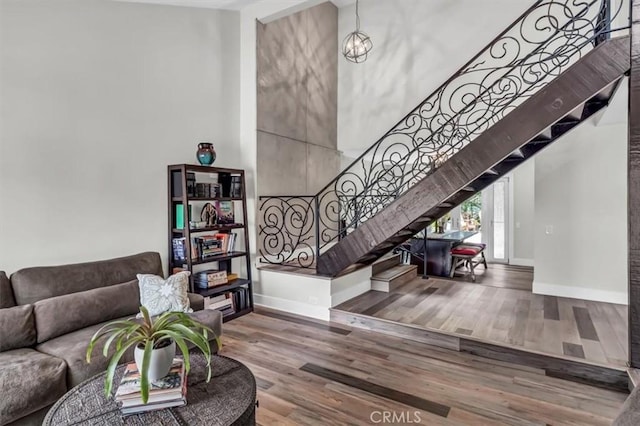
(47,316)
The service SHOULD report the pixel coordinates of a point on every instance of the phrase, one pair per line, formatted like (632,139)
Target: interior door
(496,225)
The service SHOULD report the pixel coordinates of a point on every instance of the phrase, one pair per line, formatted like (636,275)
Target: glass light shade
(356,47)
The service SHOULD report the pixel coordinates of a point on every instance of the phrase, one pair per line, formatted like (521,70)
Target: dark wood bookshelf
(234,315)
(178,194)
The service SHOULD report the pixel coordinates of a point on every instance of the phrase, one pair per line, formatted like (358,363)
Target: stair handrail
(601,29)
(578,15)
(596,38)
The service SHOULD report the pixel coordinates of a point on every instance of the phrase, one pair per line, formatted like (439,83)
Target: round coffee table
(228,399)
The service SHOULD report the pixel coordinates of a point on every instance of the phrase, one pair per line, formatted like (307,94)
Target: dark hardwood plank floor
(309,373)
(580,329)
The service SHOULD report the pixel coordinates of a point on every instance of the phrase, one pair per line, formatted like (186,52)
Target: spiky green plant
(151,333)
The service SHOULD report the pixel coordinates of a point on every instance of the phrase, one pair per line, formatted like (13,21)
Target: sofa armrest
(196,301)
(212,318)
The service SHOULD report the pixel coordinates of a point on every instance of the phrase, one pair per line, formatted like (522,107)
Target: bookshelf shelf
(208,292)
(186,180)
(211,228)
(218,258)
(196,199)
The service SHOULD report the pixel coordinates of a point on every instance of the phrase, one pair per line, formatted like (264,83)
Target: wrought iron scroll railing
(549,37)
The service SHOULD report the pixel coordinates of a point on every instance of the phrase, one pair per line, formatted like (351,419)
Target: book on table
(170,391)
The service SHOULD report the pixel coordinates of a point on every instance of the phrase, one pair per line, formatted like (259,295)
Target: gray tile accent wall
(297,97)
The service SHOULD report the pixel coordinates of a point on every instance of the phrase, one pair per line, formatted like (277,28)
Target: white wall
(98,97)
(581,215)
(417,45)
(522,203)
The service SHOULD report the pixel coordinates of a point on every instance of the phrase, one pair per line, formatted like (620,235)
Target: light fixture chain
(357,17)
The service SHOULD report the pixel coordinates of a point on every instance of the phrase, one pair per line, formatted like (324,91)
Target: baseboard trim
(518,261)
(292,306)
(571,292)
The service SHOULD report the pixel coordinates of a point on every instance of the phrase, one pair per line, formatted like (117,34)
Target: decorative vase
(206,154)
(160,363)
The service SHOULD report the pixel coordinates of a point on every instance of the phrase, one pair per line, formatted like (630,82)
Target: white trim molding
(517,261)
(572,292)
(292,306)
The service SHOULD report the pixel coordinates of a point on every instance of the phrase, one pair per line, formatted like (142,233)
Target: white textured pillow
(159,295)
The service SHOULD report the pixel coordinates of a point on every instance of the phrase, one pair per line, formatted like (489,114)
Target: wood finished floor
(503,276)
(574,328)
(317,373)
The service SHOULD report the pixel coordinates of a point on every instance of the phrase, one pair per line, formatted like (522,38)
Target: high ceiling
(225,4)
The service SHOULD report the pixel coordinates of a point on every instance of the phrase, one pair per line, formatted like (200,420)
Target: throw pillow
(159,295)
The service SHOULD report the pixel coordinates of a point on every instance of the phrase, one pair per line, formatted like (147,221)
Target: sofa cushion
(33,284)
(6,293)
(84,308)
(29,381)
(17,328)
(72,348)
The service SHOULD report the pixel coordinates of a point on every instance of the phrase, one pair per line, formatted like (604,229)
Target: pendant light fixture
(356,45)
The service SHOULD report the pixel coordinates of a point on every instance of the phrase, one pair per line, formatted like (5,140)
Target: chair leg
(484,260)
(454,263)
(473,275)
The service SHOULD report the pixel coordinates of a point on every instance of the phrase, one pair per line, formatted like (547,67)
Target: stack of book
(207,190)
(210,245)
(227,241)
(223,303)
(170,391)
(230,302)
(210,278)
(240,299)
(204,246)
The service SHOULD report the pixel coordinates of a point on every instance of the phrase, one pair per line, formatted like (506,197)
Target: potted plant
(155,343)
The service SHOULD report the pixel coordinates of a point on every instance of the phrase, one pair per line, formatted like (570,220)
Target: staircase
(495,113)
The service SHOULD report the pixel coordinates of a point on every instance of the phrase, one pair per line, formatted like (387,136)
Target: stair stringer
(588,76)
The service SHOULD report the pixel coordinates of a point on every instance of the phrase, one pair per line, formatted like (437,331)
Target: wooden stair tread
(384,263)
(393,273)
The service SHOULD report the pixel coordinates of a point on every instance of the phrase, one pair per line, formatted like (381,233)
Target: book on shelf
(179,248)
(169,391)
(225,212)
(204,246)
(219,302)
(236,187)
